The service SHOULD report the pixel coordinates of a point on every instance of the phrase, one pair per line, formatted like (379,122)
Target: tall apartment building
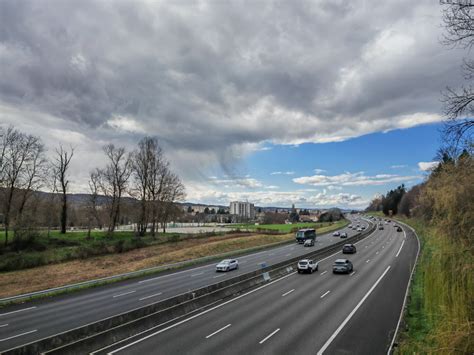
(242,209)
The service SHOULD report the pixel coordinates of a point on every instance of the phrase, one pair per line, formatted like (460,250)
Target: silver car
(227,265)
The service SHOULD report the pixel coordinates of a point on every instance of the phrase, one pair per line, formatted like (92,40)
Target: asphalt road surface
(23,324)
(318,313)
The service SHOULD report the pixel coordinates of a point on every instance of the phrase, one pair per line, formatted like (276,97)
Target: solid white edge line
(348,318)
(199,314)
(18,335)
(324,295)
(269,336)
(19,310)
(150,296)
(123,294)
(408,287)
(3,325)
(399,250)
(287,293)
(172,274)
(218,331)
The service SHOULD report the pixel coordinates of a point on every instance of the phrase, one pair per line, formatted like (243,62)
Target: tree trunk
(64,215)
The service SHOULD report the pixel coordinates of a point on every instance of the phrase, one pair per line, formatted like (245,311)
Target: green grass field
(283,228)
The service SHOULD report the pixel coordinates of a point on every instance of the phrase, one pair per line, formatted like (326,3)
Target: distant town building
(242,209)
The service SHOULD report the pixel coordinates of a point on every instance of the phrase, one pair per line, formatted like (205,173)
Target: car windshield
(340,262)
(303,262)
(300,235)
(225,261)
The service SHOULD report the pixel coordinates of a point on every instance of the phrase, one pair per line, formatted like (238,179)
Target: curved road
(302,314)
(23,324)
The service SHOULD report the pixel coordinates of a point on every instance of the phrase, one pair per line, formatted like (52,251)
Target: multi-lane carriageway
(295,314)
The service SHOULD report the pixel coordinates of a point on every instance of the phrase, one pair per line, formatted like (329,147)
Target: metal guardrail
(138,273)
(76,340)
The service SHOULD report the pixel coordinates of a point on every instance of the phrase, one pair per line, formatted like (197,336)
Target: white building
(242,209)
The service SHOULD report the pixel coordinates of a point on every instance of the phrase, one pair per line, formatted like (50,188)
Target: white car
(359,229)
(336,234)
(227,265)
(307,265)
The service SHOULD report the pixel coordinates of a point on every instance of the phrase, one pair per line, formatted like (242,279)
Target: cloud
(398,166)
(282,173)
(319,171)
(351,179)
(214,91)
(427,166)
(302,198)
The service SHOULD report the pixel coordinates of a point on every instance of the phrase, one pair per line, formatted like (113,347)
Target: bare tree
(114,180)
(92,213)
(146,160)
(20,153)
(33,175)
(61,167)
(458,20)
(172,191)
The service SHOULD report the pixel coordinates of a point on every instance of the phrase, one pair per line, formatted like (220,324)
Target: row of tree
(444,198)
(143,175)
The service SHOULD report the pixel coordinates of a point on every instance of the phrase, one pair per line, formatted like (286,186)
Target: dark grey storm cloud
(222,76)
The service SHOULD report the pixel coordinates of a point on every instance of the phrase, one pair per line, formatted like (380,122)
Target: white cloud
(401,166)
(302,198)
(351,179)
(427,166)
(319,171)
(282,173)
(126,124)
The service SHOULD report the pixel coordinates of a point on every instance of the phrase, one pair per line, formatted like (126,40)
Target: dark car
(399,229)
(342,266)
(349,249)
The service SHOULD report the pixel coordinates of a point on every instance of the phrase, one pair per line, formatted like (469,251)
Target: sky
(317,103)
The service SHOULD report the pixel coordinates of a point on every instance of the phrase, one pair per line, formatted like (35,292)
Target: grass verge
(188,251)
(439,317)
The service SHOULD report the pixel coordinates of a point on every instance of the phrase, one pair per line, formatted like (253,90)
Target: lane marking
(199,314)
(18,335)
(269,336)
(215,307)
(3,325)
(325,294)
(399,250)
(348,318)
(324,272)
(123,294)
(20,310)
(287,293)
(147,297)
(215,277)
(199,273)
(288,254)
(352,273)
(217,331)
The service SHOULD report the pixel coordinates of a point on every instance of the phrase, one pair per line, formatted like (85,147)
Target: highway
(32,321)
(315,313)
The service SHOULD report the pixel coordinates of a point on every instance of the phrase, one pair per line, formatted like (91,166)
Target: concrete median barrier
(113,329)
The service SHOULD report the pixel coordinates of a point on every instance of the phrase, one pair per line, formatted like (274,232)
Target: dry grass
(49,276)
